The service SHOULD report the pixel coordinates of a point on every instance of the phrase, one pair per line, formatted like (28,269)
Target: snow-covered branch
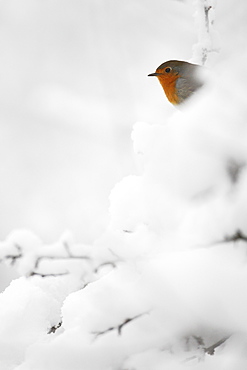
(207,36)
(31,257)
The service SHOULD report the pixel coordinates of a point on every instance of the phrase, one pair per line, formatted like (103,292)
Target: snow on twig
(207,37)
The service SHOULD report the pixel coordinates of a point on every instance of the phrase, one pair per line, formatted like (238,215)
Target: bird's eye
(168,70)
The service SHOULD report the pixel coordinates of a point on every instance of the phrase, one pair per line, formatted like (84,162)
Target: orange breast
(169,85)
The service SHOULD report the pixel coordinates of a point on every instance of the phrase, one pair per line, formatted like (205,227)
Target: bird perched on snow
(179,79)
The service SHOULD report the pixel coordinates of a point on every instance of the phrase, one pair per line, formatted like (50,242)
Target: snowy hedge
(165,287)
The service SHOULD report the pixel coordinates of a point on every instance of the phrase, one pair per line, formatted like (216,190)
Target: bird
(179,80)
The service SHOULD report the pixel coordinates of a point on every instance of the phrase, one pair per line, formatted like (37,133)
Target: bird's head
(178,78)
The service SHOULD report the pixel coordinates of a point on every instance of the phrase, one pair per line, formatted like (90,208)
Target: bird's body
(179,79)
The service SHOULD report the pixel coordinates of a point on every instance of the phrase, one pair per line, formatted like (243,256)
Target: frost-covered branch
(69,256)
(31,257)
(207,37)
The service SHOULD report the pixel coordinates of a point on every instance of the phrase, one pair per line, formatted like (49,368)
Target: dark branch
(208,350)
(118,328)
(14,257)
(235,237)
(33,273)
(206,11)
(234,169)
(211,349)
(59,258)
(105,264)
(54,328)
(199,340)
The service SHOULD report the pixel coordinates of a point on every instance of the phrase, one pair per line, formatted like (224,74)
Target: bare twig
(211,349)
(14,257)
(208,350)
(105,264)
(59,258)
(235,237)
(119,327)
(33,273)
(54,328)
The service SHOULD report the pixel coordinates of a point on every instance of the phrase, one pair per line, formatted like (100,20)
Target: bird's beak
(155,74)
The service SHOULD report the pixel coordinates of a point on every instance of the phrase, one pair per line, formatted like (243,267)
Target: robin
(179,79)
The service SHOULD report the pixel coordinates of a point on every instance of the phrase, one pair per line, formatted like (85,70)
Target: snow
(166,280)
(32,307)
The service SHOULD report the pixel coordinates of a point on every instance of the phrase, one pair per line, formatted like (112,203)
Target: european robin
(179,79)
